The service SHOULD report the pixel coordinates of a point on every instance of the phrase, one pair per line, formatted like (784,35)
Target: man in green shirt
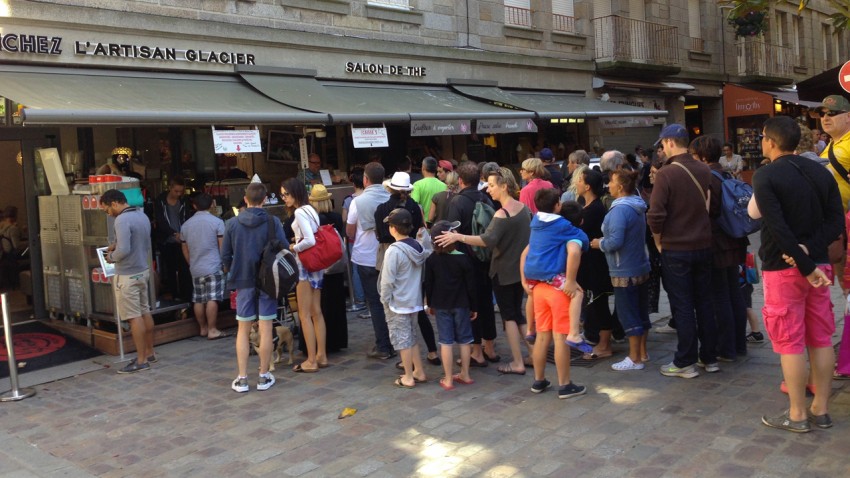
(428,186)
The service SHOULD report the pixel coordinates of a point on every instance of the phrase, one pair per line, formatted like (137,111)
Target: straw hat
(319,193)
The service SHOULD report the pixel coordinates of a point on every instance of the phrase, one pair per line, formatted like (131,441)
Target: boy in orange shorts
(549,265)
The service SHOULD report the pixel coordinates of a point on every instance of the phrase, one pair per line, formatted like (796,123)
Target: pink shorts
(551,309)
(797,315)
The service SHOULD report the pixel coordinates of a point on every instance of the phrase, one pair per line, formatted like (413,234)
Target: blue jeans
(632,305)
(369,276)
(359,295)
(687,278)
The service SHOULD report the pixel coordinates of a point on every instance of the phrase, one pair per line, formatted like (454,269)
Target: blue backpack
(734,218)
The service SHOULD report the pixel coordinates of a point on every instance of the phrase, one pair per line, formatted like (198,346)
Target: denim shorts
(632,304)
(246,305)
(454,327)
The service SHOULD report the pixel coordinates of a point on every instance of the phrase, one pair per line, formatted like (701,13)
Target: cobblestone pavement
(182,419)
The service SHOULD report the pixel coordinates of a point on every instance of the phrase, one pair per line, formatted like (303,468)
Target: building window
(518,13)
(404,4)
(778,33)
(826,36)
(694,27)
(563,16)
(797,32)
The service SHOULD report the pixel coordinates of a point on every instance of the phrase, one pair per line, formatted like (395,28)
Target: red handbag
(326,251)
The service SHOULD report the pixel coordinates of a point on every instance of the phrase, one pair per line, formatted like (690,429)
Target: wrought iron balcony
(624,44)
(765,62)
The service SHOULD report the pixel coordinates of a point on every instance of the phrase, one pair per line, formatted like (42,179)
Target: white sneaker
(709,367)
(627,364)
(664,329)
(265,382)
(240,385)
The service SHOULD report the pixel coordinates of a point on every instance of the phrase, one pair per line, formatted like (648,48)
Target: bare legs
(207,316)
(312,324)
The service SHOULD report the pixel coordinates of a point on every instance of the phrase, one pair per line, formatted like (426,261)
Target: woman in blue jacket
(623,232)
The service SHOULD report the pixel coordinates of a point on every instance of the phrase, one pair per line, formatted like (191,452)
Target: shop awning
(553,105)
(56,96)
(374,102)
(792,97)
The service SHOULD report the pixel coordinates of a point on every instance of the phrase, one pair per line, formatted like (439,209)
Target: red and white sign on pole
(844,77)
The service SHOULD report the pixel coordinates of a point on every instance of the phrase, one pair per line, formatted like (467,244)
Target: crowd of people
(547,249)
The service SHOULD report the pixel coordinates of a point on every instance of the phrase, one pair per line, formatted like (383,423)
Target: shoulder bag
(326,251)
(706,198)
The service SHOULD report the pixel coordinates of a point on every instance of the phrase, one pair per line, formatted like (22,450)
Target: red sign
(844,77)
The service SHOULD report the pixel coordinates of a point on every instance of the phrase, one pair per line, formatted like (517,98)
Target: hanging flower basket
(750,24)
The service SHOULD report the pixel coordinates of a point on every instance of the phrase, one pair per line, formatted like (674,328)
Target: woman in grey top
(732,163)
(507,235)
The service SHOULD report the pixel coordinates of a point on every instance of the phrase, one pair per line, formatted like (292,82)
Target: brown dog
(284,337)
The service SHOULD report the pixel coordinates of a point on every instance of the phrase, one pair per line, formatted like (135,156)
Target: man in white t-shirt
(364,254)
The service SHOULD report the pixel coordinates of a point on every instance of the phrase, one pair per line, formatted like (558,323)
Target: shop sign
(388,70)
(439,128)
(628,122)
(505,126)
(369,137)
(20,43)
(237,141)
(740,101)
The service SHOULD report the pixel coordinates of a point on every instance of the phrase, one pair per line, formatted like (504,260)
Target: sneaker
(755,337)
(134,367)
(784,422)
(820,421)
(571,390)
(721,358)
(709,367)
(358,306)
(153,359)
(627,364)
(265,382)
(365,315)
(665,329)
(671,370)
(540,386)
(240,384)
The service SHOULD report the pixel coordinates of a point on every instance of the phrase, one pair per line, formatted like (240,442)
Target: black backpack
(277,271)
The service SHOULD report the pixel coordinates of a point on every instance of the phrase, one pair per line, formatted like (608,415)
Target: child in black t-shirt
(450,292)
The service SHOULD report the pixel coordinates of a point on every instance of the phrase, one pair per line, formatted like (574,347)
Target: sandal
(582,346)
(445,385)
(492,359)
(627,364)
(398,383)
(299,369)
(597,356)
(456,378)
(507,369)
(474,363)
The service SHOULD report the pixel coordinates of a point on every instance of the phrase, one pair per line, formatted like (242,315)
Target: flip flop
(446,386)
(508,370)
(416,380)
(494,359)
(580,346)
(457,379)
(399,384)
(474,363)
(299,369)
(324,365)
(596,356)
(220,336)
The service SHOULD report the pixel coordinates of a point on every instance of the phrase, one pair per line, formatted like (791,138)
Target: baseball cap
(442,226)
(674,130)
(834,103)
(446,165)
(399,217)
(546,154)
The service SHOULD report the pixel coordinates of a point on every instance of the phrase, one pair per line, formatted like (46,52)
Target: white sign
(302,147)
(237,141)
(326,177)
(369,137)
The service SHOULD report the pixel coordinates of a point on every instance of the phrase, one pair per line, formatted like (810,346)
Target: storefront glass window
(3,111)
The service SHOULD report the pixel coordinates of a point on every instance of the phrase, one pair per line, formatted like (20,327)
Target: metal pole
(15,394)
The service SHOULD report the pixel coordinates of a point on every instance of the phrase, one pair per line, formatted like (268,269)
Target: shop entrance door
(18,286)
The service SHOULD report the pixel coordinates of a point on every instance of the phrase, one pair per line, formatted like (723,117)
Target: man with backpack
(474,210)
(242,249)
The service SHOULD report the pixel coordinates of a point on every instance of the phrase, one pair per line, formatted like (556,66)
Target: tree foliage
(741,9)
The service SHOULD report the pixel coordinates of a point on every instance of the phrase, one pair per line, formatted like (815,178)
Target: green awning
(552,105)
(57,96)
(375,102)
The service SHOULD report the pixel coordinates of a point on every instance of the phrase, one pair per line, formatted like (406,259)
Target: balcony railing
(563,23)
(518,17)
(624,39)
(697,44)
(757,58)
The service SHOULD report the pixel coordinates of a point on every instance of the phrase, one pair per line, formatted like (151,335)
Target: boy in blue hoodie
(549,264)
(401,294)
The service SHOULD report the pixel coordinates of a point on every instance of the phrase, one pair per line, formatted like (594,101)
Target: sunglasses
(830,113)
